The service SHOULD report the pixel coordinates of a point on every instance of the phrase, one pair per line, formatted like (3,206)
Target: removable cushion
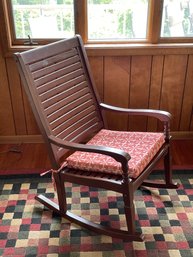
(141,146)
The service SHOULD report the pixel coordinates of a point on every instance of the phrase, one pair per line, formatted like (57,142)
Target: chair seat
(141,146)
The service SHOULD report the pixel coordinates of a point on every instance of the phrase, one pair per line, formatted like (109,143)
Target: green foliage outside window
(22,16)
(121,25)
(101,1)
(30,2)
(126,24)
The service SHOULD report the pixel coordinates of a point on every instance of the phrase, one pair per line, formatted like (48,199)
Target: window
(115,20)
(98,21)
(43,18)
(177,18)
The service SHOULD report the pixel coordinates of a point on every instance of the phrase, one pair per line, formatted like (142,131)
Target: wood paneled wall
(156,82)
(133,81)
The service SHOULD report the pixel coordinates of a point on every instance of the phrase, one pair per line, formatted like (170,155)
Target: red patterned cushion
(141,146)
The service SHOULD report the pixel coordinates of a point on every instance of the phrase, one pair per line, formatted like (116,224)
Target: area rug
(165,217)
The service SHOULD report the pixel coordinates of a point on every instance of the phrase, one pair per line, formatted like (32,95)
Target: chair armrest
(161,115)
(117,154)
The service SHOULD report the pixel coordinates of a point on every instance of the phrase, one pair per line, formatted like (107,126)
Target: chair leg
(168,183)
(168,171)
(61,207)
(61,193)
(128,199)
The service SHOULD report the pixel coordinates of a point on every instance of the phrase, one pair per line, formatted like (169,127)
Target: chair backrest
(60,88)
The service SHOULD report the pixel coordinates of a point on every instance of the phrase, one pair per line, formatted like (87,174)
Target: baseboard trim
(21,139)
(38,138)
(182,134)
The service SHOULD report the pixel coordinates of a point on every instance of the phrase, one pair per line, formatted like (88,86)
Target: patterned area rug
(28,229)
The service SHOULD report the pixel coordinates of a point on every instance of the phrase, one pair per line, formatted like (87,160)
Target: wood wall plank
(191,121)
(6,113)
(187,105)
(25,123)
(96,64)
(16,97)
(139,89)
(173,87)
(116,89)
(31,125)
(155,89)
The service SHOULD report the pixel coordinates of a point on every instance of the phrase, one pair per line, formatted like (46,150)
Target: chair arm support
(161,115)
(117,154)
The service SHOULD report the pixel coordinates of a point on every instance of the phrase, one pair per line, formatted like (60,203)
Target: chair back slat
(42,68)
(75,106)
(59,81)
(60,73)
(70,94)
(59,85)
(75,134)
(54,106)
(50,91)
(67,120)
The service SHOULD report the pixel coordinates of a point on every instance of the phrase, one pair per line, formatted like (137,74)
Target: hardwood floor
(33,158)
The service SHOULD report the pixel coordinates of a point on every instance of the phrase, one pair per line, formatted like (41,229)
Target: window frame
(10,42)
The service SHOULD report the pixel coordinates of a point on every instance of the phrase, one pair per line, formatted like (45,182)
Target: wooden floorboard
(34,158)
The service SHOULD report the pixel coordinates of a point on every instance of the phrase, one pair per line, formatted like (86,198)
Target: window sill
(121,49)
(139,49)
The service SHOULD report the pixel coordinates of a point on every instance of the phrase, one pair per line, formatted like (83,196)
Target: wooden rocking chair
(61,91)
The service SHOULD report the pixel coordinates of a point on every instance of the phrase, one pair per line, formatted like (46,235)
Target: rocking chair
(58,82)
